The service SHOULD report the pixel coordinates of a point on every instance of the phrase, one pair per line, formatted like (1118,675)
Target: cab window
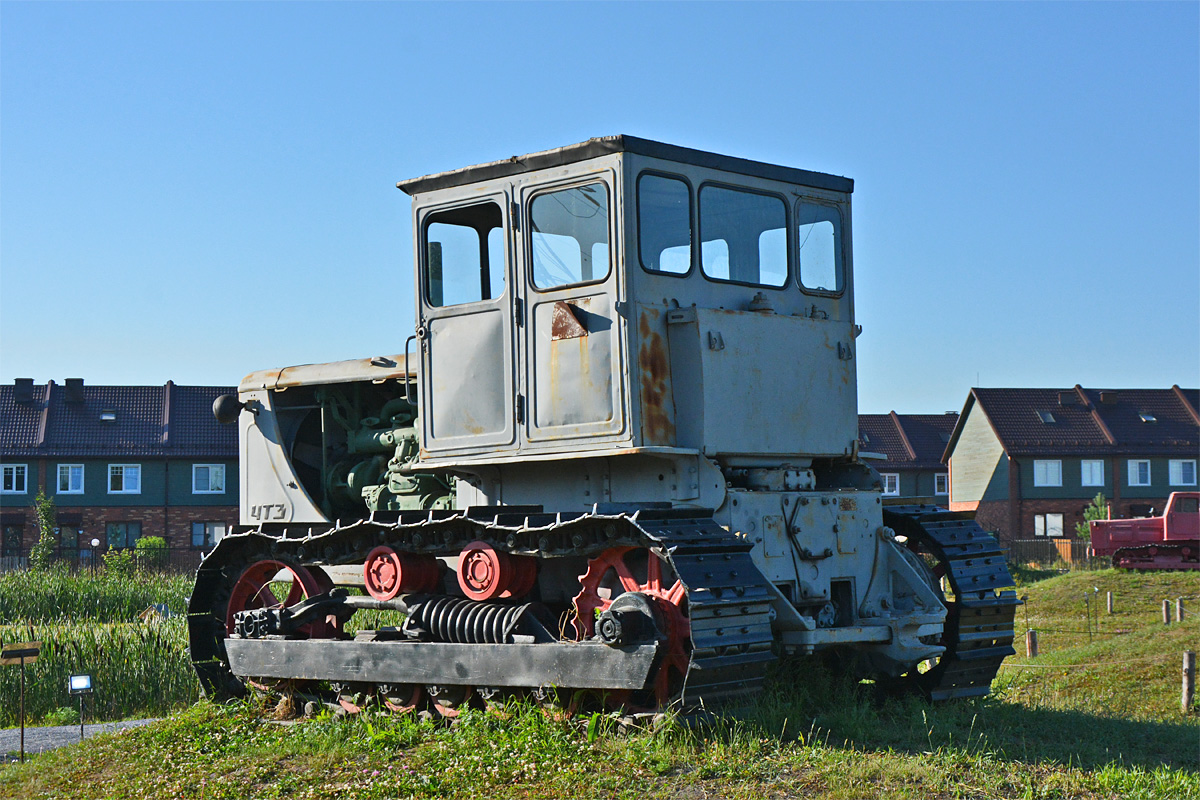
(664,224)
(464,255)
(819,248)
(569,236)
(743,236)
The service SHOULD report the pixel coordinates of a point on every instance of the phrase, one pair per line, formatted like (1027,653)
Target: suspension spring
(459,621)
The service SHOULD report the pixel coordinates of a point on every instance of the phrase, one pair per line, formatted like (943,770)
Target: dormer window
(1148,417)
(1046,417)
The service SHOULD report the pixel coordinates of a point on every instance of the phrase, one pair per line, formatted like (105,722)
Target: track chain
(728,599)
(979,628)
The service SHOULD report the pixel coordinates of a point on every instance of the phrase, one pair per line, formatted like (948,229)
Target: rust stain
(564,322)
(848,504)
(658,410)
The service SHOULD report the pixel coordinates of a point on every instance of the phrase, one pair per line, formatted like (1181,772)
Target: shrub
(119,562)
(150,552)
(43,552)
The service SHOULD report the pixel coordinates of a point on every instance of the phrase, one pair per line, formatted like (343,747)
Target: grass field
(88,623)
(1083,720)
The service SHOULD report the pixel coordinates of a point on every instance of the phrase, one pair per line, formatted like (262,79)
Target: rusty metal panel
(654,378)
(574,384)
(376,368)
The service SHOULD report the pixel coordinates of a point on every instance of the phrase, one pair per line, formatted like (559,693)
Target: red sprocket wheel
(253,590)
(636,569)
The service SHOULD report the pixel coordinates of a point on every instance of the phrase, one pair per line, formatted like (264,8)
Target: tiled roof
(161,421)
(910,441)
(1080,421)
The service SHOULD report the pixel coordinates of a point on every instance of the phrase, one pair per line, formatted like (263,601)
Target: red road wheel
(635,569)
(402,698)
(388,573)
(485,573)
(261,583)
(449,701)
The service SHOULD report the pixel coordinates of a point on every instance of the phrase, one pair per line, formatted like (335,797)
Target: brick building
(1029,461)
(120,462)
(907,449)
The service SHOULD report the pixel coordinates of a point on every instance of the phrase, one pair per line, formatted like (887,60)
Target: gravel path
(39,740)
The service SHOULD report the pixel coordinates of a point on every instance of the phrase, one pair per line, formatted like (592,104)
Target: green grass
(88,623)
(1083,720)
(58,595)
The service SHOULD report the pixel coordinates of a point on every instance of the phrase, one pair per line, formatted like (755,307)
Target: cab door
(466,325)
(570,281)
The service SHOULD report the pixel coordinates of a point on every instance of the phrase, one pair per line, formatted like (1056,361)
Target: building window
(207,534)
(123,534)
(1139,472)
(1048,525)
(891,483)
(70,478)
(11,541)
(1183,471)
(124,479)
(14,479)
(1047,473)
(941,483)
(68,539)
(208,479)
(1091,472)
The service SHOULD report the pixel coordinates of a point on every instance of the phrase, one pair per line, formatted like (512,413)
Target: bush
(43,552)
(150,553)
(119,562)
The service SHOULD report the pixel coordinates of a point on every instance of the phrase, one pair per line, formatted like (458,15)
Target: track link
(979,629)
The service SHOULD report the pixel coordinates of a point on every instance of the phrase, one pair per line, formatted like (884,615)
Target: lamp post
(80,685)
(92,558)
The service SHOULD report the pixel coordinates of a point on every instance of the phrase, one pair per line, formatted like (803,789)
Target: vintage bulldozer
(616,461)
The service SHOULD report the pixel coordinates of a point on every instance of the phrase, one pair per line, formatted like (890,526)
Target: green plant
(1098,509)
(119,562)
(150,552)
(63,715)
(43,552)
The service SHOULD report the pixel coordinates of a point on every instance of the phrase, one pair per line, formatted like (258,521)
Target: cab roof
(605,145)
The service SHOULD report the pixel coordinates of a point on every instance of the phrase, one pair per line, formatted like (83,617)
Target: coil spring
(459,621)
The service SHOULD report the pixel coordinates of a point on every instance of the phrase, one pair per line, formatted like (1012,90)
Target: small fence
(170,560)
(1063,553)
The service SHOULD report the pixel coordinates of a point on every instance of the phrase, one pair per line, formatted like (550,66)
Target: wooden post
(1189,680)
(1031,643)
(1110,603)
(1166,612)
(1179,609)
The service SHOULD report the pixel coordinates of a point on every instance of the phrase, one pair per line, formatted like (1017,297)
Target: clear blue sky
(194,191)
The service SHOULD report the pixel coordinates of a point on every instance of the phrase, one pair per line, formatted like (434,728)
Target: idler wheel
(260,584)
(624,570)
(388,573)
(485,573)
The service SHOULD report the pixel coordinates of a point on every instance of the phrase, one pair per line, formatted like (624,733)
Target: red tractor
(1171,541)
